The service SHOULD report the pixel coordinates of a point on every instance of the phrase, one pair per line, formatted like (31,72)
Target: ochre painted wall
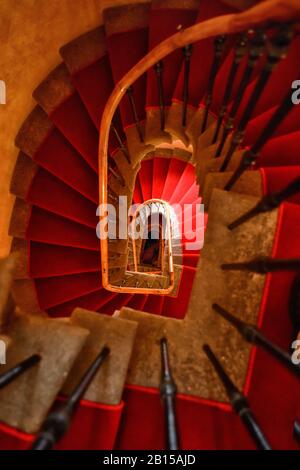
(31,33)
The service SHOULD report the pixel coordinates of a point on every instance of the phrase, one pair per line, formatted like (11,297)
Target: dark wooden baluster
(256,45)
(219,44)
(250,156)
(240,51)
(134,113)
(264,265)
(277,50)
(121,144)
(268,203)
(238,402)
(113,196)
(252,335)
(297,430)
(19,369)
(159,77)
(58,421)
(294,306)
(187,52)
(114,171)
(168,394)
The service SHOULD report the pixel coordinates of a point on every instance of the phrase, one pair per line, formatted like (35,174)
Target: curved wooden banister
(268,10)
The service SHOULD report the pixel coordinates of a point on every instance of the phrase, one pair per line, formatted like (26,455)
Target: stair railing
(266,12)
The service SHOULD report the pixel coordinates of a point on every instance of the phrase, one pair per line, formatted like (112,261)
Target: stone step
(174,121)
(193,131)
(55,89)
(126,169)
(250,183)
(26,401)
(116,275)
(117,246)
(153,133)
(118,335)
(205,161)
(7,272)
(120,189)
(24,171)
(170,152)
(84,50)
(236,291)
(117,260)
(145,280)
(144,366)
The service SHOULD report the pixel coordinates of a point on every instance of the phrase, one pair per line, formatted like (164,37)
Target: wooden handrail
(269,10)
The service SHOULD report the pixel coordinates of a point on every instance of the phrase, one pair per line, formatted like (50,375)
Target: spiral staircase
(163,143)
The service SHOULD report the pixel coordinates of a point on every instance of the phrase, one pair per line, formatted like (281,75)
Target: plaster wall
(31,33)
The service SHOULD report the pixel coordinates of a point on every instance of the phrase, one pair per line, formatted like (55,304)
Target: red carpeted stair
(63,250)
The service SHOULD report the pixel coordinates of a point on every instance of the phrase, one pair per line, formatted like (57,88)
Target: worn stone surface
(142,280)
(34,130)
(239,292)
(120,188)
(137,149)
(25,402)
(170,152)
(153,133)
(84,50)
(205,160)
(23,174)
(127,171)
(193,129)
(7,272)
(174,121)
(24,295)
(118,335)
(205,139)
(55,89)
(144,366)
(249,183)
(126,18)
(115,275)
(19,248)
(182,154)
(118,260)
(19,218)
(215,163)
(117,246)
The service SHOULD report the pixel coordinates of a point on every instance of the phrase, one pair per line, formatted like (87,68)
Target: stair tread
(34,223)
(57,96)
(116,334)
(8,267)
(186,338)
(93,301)
(59,345)
(52,260)
(39,139)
